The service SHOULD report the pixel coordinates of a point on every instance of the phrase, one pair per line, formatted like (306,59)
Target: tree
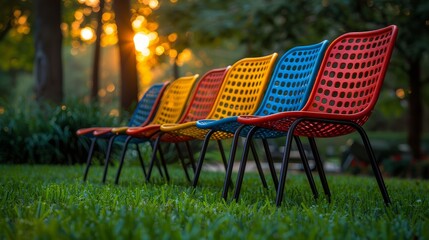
(48,69)
(97,49)
(16,44)
(128,63)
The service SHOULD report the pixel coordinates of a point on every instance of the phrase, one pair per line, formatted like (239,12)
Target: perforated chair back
(205,93)
(350,79)
(293,79)
(174,100)
(145,109)
(244,87)
(352,73)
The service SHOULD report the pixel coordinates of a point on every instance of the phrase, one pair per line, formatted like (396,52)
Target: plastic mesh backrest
(205,94)
(243,87)
(293,79)
(174,100)
(145,105)
(352,72)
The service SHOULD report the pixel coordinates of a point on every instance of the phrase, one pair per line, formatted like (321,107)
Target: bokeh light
(141,41)
(114,112)
(110,88)
(87,34)
(400,93)
(149,44)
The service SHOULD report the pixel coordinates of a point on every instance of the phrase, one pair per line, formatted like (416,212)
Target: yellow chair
(241,92)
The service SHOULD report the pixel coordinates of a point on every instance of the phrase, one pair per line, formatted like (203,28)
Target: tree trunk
(127,56)
(48,69)
(416,109)
(96,63)
(176,73)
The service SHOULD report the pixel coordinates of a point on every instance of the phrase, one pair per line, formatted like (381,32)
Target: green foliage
(50,202)
(261,29)
(43,133)
(17,47)
(17,56)
(5,85)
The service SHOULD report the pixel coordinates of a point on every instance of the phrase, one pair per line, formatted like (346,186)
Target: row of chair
(320,90)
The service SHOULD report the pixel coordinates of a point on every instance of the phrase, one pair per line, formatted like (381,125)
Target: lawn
(52,202)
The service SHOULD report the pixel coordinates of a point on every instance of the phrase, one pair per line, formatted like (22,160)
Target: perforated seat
(199,106)
(288,90)
(142,115)
(345,93)
(240,94)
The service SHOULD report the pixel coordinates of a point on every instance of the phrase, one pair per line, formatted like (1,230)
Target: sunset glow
(148,42)
(86,33)
(141,42)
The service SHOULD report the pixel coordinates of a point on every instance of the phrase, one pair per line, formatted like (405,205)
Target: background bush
(42,133)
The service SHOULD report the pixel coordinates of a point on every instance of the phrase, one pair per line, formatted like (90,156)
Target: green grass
(52,202)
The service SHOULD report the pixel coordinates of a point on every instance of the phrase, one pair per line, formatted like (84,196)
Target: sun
(87,34)
(141,42)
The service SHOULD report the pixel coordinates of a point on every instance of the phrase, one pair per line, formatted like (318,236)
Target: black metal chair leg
(155,147)
(121,163)
(108,152)
(191,156)
(141,160)
(374,164)
(201,159)
(285,163)
(228,182)
(157,161)
(306,167)
(164,164)
(270,163)
(367,145)
(258,164)
(89,158)
(182,161)
(320,169)
(243,162)
(222,153)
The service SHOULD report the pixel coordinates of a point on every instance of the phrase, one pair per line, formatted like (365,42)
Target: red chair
(342,100)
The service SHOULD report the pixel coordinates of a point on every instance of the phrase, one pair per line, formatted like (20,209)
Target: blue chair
(288,90)
(144,112)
